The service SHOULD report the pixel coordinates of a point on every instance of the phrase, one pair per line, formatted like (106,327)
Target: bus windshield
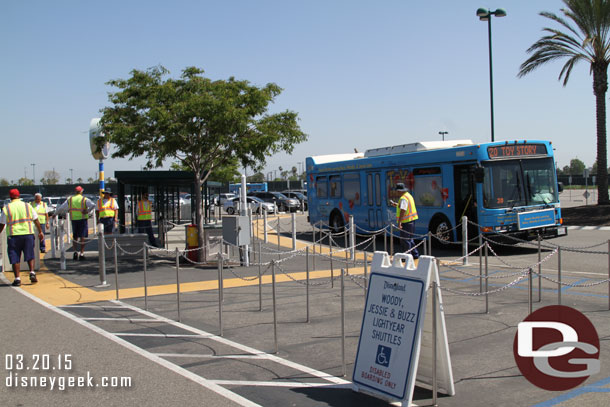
(511,183)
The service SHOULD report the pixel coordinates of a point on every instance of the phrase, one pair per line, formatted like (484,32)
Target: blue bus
(507,187)
(250,187)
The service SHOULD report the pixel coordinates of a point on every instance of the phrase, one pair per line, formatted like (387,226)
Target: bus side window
(335,186)
(351,188)
(369,188)
(321,187)
(377,189)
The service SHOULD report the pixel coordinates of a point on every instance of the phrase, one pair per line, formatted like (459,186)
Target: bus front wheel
(441,229)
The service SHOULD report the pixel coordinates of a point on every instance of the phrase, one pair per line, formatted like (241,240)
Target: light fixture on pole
(443,133)
(485,15)
(33,172)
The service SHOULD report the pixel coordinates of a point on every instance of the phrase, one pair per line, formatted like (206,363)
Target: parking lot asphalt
(170,343)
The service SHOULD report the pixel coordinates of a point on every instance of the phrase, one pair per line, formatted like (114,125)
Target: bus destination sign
(516,150)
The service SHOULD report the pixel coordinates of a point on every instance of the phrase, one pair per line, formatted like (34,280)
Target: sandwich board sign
(396,318)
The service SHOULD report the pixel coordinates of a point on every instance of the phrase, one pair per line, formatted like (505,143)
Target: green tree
(257,177)
(25,181)
(50,178)
(576,167)
(587,42)
(4,182)
(204,124)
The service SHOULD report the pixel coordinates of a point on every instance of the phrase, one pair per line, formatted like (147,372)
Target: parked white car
(256,204)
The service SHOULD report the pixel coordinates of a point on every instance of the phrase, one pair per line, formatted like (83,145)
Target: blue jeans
(407,231)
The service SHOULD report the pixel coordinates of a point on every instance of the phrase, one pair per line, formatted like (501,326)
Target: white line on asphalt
(122,319)
(171,366)
(200,355)
(588,227)
(280,384)
(161,335)
(244,348)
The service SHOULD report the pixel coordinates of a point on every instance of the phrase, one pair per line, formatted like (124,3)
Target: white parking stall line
(209,356)
(281,384)
(161,335)
(243,348)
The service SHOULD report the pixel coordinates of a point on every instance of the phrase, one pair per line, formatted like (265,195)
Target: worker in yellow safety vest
(20,219)
(107,211)
(42,210)
(406,215)
(144,218)
(79,207)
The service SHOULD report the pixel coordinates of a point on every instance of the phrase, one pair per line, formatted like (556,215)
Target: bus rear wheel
(336,223)
(440,227)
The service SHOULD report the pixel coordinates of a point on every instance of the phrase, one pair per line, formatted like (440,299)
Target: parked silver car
(256,204)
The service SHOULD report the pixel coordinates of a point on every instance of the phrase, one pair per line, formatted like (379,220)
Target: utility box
(236,230)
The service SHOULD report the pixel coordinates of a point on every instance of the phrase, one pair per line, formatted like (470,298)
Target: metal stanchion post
(274,306)
(391,240)
(374,242)
(480,262)
(293,222)
(464,240)
(144,257)
(559,275)
(313,241)
(365,273)
(434,350)
(352,240)
(52,233)
(307,281)
(220,261)
(178,281)
(102,254)
(278,238)
(609,274)
(486,279)
(429,243)
(343,365)
(385,240)
(539,269)
(529,286)
(346,262)
(260,276)
(265,227)
(62,246)
(332,271)
(116,270)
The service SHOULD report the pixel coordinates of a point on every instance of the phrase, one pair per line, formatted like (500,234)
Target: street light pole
(443,133)
(485,15)
(33,172)
(71,176)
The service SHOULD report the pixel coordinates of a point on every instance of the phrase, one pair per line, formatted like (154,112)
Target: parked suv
(283,203)
(297,195)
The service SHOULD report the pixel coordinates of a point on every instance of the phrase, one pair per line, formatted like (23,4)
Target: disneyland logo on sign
(556,348)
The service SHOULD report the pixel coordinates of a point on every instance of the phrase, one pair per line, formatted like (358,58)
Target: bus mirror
(479,174)
(560,186)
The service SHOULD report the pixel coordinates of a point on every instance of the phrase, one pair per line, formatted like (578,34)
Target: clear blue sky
(361,74)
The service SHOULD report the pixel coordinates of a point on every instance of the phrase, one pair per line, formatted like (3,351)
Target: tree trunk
(600,88)
(198,216)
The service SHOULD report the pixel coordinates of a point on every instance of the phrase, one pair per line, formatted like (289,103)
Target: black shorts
(80,228)
(20,244)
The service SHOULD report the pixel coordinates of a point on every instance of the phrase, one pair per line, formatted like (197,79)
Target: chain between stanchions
(497,290)
(582,285)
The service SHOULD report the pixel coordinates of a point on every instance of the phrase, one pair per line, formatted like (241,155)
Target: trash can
(192,237)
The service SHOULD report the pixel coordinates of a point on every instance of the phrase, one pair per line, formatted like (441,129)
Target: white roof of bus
(419,146)
(331,158)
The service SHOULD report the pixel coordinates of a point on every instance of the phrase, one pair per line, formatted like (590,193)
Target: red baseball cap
(14,193)
(78,189)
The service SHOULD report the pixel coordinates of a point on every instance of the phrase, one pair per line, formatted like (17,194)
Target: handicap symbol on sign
(383,355)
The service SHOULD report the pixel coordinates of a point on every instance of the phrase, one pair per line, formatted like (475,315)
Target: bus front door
(465,198)
(373,183)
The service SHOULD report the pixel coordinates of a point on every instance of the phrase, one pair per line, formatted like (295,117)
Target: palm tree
(588,42)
